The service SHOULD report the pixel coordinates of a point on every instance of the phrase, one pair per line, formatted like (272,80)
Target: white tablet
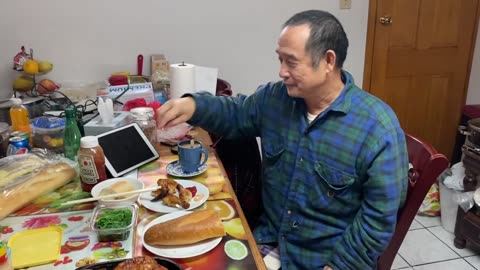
(126,148)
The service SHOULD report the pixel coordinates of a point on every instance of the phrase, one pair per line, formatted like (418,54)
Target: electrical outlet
(345,4)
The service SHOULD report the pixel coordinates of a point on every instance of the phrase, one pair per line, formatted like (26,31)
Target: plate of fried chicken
(175,195)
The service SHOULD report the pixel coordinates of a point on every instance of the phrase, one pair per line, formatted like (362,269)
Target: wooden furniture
(467,226)
(427,166)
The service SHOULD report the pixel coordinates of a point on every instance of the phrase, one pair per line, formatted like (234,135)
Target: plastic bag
(464,199)
(23,178)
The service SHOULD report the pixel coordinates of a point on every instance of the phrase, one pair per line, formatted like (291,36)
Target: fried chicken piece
(172,200)
(140,263)
(160,193)
(185,196)
(171,184)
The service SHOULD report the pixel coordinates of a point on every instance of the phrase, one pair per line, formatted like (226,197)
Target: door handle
(385,20)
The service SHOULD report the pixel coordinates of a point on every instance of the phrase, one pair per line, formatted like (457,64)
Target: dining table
(79,245)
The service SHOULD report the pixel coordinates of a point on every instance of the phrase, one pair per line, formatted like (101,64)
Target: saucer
(174,168)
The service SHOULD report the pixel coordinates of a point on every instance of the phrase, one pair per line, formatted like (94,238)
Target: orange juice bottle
(19,117)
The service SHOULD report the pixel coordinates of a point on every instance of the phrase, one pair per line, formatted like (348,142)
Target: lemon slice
(236,250)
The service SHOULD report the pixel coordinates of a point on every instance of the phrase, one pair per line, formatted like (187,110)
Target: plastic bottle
(71,136)
(19,117)
(5,257)
(91,160)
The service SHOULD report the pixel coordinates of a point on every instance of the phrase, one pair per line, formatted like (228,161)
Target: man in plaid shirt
(334,157)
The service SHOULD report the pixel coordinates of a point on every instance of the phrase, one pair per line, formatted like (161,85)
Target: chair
(427,166)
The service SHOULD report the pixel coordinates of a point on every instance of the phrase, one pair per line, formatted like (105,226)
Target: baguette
(48,179)
(188,229)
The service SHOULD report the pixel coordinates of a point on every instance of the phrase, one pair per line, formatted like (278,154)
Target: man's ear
(330,59)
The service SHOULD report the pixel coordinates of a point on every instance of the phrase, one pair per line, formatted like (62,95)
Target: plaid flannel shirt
(331,188)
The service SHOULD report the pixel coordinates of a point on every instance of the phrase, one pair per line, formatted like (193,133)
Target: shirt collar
(343,101)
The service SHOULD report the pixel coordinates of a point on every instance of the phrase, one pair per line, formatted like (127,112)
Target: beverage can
(20,134)
(17,146)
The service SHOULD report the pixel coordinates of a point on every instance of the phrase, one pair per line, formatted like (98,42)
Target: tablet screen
(125,149)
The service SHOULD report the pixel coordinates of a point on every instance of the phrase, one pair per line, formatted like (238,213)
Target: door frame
(367,69)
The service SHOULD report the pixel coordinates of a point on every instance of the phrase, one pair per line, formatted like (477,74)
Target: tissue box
(140,90)
(96,126)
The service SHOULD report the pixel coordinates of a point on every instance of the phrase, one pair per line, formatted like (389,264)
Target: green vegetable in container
(114,219)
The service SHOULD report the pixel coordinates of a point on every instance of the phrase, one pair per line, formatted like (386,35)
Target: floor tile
(427,221)
(399,263)
(474,260)
(421,247)
(447,238)
(458,264)
(415,225)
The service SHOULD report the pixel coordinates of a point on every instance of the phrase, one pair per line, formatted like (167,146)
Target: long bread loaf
(188,229)
(48,179)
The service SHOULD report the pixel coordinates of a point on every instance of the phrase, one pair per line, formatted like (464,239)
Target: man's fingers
(176,121)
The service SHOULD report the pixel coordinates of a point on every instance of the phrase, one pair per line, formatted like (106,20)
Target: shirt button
(283,237)
(289,212)
(330,193)
(300,160)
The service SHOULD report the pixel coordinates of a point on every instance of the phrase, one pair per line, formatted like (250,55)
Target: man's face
(296,70)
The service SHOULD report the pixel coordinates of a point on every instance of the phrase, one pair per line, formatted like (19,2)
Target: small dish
(35,247)
(174,168)
(135,184)
(183,251)
(200,198)
(113,234)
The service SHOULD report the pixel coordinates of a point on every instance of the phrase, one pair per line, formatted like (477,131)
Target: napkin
(105,109)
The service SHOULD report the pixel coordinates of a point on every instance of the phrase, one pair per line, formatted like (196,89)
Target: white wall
(87,40)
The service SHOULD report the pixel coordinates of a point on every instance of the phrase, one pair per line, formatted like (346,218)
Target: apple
(46,86)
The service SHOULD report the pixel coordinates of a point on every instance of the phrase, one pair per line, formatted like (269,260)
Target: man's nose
(284,74)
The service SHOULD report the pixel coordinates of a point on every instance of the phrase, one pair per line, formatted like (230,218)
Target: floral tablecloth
(80,245)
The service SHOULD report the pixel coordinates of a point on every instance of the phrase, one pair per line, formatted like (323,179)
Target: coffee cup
(190,155)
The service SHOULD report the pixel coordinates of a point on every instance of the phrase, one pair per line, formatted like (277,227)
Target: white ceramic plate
(159,206)
(183,251)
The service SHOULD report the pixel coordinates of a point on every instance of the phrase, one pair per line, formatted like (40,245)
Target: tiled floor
(429,246)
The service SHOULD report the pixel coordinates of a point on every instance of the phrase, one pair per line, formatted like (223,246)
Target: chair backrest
(427,166)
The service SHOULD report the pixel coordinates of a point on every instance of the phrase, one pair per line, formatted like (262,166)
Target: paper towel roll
(182,79)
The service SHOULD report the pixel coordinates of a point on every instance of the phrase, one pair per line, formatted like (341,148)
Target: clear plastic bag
(23,178)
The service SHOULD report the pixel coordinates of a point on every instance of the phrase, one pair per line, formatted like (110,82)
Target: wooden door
(418,61)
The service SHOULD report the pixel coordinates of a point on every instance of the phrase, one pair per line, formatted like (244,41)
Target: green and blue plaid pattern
(331,188)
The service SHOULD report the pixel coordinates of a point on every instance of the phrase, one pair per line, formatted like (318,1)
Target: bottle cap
(16,101)
(88,142)
(70,112)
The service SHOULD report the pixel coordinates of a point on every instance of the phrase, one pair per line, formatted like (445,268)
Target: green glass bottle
(71,136)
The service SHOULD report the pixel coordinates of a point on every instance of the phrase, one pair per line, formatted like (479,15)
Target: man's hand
(175,111)
(327,268)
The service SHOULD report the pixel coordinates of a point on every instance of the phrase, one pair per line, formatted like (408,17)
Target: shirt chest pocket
(334,186)
(272,153)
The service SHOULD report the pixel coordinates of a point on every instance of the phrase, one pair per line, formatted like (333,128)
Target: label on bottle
(88,170)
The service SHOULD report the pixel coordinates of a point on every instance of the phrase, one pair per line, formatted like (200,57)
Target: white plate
(183,251)
(174,168)
(160,207)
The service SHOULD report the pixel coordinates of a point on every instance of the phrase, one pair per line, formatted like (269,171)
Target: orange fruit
(30,66)
(235,228)
(224,210)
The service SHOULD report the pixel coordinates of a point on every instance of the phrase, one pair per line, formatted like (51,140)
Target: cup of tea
(190,155)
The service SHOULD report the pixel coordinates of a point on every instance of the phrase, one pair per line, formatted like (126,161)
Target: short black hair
(326,33)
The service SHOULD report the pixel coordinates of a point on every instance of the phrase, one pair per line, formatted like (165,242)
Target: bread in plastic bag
(23,178)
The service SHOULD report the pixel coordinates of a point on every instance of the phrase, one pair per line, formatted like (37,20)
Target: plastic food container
(47,132)
(117,233)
